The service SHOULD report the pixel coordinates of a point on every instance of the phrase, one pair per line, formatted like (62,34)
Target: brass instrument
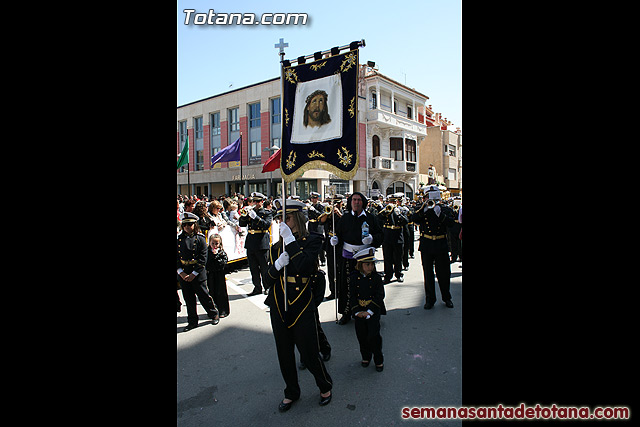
(387,209)
(245,211)
(328,209)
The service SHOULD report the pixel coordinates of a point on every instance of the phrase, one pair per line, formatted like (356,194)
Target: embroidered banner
(320,117)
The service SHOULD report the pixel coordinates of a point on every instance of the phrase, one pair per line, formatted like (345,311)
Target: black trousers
(369,338)
(443,272)
(345,267)
(392,254)
(257,259)
(304,336)
(331,261)
(189,292)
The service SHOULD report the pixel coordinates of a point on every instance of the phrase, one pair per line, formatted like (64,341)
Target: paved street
(228,374)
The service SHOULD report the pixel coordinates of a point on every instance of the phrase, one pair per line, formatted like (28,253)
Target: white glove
(282,260)
(367,239)
(252,214)
(286,234)
(333,240)
(396,211)
(437,210)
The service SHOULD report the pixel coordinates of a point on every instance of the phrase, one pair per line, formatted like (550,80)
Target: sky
(416,42)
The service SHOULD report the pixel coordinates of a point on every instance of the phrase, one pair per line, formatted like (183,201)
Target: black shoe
(428,306)
(365,364)
(326,357)
(302,366)
(255,292)
(284,407)
(387,280)
(379,368)
(330,297)
(344,320)
(325,400)
(215,320)
(448,303)
(189,327)
(400,279)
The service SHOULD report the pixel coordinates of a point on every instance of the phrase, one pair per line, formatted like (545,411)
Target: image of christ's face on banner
(316,112)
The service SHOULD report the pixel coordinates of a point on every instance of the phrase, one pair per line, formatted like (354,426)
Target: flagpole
(241,181)
(281,45)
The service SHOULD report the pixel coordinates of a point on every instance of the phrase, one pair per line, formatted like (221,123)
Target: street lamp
(271,150)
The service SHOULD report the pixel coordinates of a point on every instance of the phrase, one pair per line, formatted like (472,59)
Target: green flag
(184,156)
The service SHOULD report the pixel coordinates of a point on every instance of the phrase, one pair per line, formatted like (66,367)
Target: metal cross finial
(281,45)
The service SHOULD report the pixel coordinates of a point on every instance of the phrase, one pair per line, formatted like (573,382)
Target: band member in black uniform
(453,234)
(412,235)
(257,243)
(433,222)
(295,326)
(315,226)
(392,221)
(409,236)
(327,220)
(367,304)
(354,235)
(192,259)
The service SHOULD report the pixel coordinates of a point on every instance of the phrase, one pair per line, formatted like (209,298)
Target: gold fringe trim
(322,165)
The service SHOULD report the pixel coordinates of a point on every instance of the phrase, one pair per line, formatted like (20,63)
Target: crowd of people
(343,232)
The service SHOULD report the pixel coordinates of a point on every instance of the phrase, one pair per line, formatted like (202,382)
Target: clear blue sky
(414,41)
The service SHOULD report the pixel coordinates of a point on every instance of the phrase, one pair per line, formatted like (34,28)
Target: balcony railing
(381,163)
(387,163)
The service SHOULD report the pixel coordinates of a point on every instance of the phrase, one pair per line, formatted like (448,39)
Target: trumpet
(388,209)
(328,209)
(245,211)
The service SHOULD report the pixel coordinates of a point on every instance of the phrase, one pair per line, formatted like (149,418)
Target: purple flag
(230,153)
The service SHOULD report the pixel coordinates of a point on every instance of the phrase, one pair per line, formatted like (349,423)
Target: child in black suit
(366,305)
(216,282)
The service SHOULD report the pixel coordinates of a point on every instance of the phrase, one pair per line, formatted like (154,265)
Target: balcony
(382,163)
(390,165)
(388,119)
(404,166)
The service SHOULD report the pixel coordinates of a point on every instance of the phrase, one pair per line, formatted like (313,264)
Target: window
(452,174)
(276,118)
(254,115)
(234,120)
(254,134)
(214,143)
(411,150)
(375,142)
(275,111)
(199,147)
(409,112)
(395,145)
(452,150)
(374,101)
(215,123)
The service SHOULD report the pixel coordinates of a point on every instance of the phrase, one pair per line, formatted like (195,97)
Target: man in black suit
(258,221)
(433,221)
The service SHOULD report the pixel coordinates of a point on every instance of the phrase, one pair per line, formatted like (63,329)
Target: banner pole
(281,45)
